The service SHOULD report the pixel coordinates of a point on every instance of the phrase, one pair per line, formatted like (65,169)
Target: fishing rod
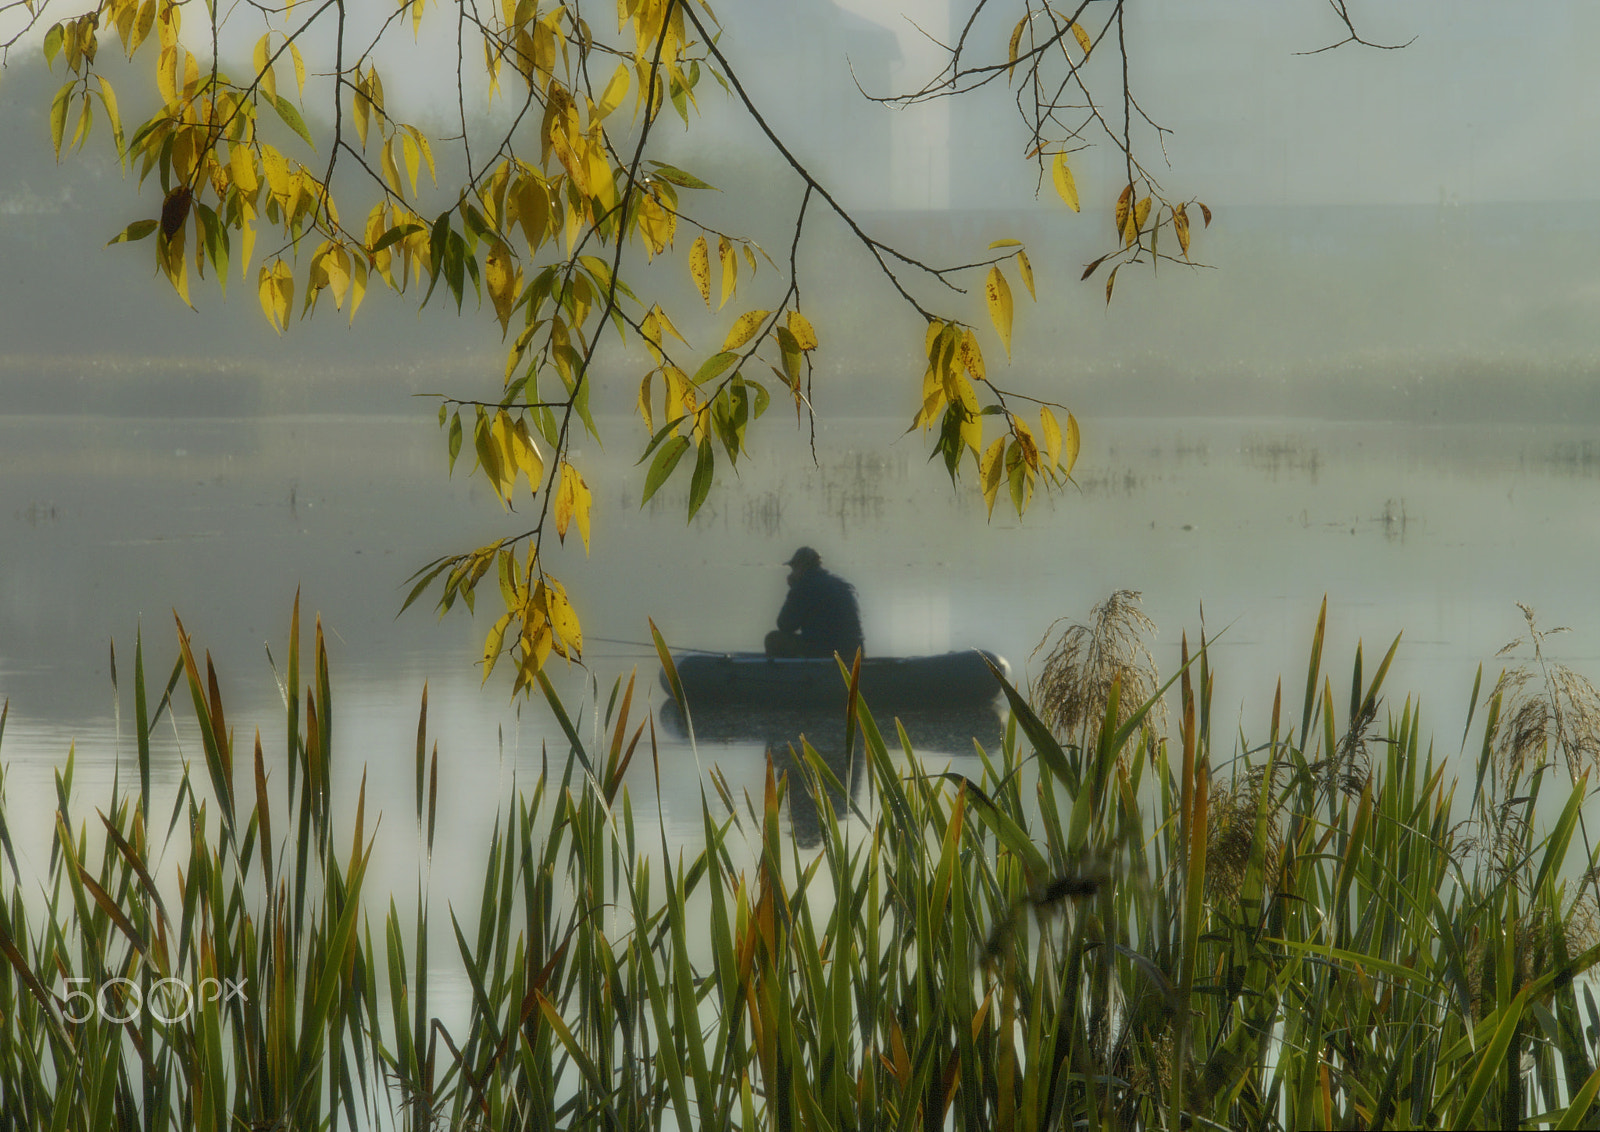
(651,646)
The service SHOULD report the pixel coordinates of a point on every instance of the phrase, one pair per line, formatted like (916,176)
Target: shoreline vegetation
(1113,920)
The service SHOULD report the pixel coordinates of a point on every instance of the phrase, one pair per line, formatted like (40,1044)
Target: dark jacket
(821,608)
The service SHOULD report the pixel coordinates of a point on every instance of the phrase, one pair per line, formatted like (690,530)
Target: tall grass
(1115,929)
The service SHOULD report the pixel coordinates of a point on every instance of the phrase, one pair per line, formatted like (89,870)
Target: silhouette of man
(820,616)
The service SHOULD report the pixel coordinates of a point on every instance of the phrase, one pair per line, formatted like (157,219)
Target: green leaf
(673,175)
(655,441)
(661,468)
(700,485)
(425,577)
(134,232)
(52,44)
(398,232)
(714,365)
(291,118)
(455,441)
(58,113)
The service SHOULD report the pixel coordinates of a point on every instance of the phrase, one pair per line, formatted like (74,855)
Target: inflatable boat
(888,683)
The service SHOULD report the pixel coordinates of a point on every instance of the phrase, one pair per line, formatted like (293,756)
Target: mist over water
(110,525)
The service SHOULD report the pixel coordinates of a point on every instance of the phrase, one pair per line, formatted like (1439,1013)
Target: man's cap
(806,557)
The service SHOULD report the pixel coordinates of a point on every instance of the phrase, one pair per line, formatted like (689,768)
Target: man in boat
(820,616)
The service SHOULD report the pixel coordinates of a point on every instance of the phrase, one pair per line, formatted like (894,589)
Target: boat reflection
(934,734)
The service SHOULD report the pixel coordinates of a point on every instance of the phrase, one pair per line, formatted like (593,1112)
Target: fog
(1398,234)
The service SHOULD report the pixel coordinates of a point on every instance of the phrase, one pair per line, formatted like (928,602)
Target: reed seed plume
(1231,834)
(1545,703)
(1087,659)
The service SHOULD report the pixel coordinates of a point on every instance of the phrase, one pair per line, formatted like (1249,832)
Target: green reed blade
(141,722)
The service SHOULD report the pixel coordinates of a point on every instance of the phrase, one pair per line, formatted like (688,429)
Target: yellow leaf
(363,110)
(655,224)
(650,331)
(427,152)
(616,90)
(680,398)
(1052,434)
(1180,224)
(944,360)
(991,471)
(1083,39)
(243,166)
(170,19)
(533,210)
(493,644)
(932,399)
(276,167)
(108,98)
(504,279)
(1124,207)
(173,263)
(1026,269)
(167,74)
(1066,187)
(730,269)
(58,112)
(998,295)
(528,458)
(563,620)
(800,327)
(572,504)
(544,50)
(1026,443)
(644,403)
(391,171)
(299,68)
(141,29)
(247,245)
(666,324)
(700,268)
(1016,40)
(413,158)
(275,288)
(358,285)
(337,264)
(536,639)
(971,417)
(1141,213)
(1069,450)
(744,329)
(970,356)
(262,60)
(604,186)
(503,477)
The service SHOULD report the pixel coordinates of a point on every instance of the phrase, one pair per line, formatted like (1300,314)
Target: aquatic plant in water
(1050,935)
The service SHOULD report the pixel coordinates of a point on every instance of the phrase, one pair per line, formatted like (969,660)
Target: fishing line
(649,645)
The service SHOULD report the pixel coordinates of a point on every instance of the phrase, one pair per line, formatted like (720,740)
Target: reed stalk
(1091,926)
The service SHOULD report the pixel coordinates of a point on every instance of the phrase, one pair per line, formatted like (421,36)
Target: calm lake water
(107,525)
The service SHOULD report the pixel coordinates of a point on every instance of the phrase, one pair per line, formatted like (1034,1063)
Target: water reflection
(761,733)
